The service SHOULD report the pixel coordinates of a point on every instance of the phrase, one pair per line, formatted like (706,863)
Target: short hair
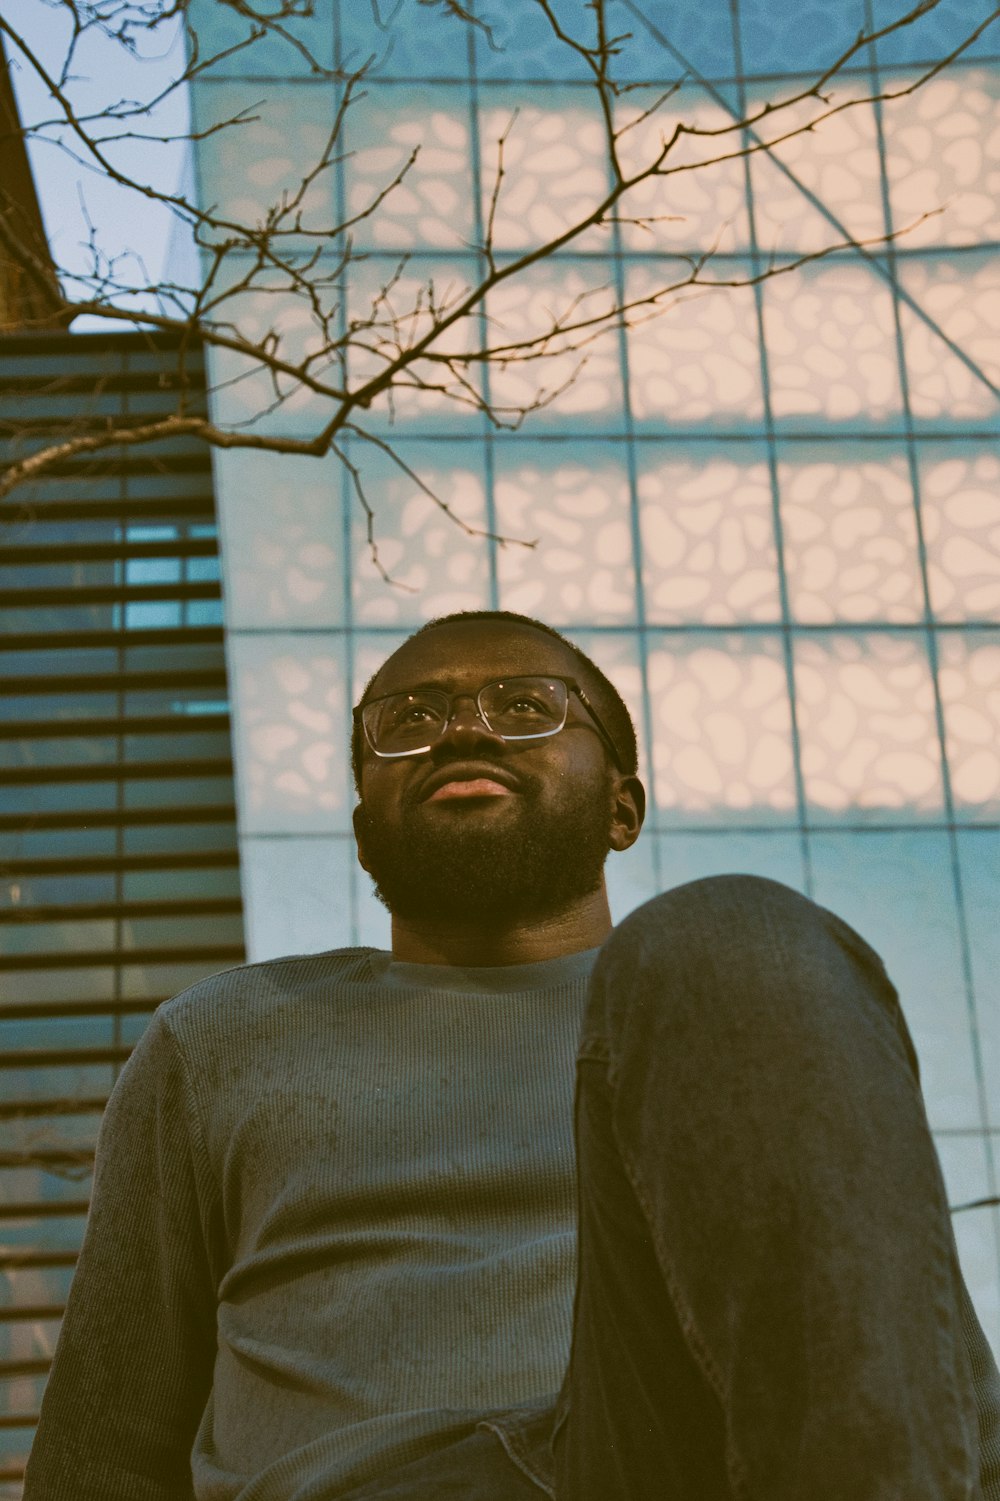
(609,701)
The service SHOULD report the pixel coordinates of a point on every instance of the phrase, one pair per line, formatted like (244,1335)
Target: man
(331,1251)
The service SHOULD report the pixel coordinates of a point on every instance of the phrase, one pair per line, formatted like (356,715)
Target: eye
(523,706)
(417,713)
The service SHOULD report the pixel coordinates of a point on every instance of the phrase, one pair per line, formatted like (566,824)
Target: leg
(769,1299)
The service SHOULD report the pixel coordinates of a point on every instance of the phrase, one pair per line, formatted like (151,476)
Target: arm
(133,1365)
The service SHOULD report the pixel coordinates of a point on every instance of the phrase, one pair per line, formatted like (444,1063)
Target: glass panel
(580,374)
(867,727)
(708,538)
(688,856)
(439,562)
(831,344)
(292,732)
(814,34)
(573,500)
(395,303)
(432,203)
(955,300)
(267,157)
(403,39)
(298,896)
(697,207)
(722,748)
(282,543)
(694,357)
(897,890)
(938,158)
(970,695)
(850,539)
(821,186)
(554,157)
(960,502)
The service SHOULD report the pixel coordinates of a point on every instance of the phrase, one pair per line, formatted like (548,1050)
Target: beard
(530,862)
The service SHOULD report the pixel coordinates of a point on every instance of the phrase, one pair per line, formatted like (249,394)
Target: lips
(479,787)
(467,781)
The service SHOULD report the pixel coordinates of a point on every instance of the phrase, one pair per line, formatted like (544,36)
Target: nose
(466,729)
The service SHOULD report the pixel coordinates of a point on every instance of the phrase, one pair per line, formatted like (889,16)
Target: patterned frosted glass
(398,301)
(701,209)
(617,655)
(697,361)
(282,542)
(566,383)
(247,167)
(960,501)
(721,728)
(432,205)
(708,541)
(833,166)
(553,163)
(437,567)
(850,541)
(582,569)
(943,152)
(220,28)
(691,855)
(970,694)
(246,394)
(297,893)
(291,726)
(403,40)
(831,344)
(813,33)
(960,300)
(897,890)
(867,726)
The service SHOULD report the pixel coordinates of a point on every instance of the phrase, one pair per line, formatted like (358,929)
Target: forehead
(465,655)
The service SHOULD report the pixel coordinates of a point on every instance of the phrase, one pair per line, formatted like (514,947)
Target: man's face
(478,828)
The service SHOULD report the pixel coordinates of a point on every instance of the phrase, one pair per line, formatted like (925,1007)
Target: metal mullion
(121,957)
(770,439)
(152,771)
(109,864)
(73,729)
(95,911)
(118,818)
(47,1010)
(101,552)
(193,635)
(44,599)
(41,685)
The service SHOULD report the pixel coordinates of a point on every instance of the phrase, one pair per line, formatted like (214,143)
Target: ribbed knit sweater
(332,1225)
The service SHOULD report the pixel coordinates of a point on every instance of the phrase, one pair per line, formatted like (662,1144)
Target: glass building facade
(119,877)
(771,514)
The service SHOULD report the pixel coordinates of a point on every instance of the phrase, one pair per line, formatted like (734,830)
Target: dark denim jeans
(769,1305)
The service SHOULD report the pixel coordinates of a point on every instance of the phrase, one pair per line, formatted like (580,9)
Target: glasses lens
(405,721)
(523,708)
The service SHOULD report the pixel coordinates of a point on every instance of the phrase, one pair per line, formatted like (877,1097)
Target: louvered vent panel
(119,879)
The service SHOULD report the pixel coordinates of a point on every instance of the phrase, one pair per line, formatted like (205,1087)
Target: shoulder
(235,999)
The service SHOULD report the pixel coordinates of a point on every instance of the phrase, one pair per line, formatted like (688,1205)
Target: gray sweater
(332,1224)
(332,1228)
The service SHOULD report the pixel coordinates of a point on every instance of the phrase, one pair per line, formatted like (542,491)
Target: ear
(360,820)
(628,813)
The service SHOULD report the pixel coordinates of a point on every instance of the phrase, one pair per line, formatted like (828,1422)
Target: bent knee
(738,940)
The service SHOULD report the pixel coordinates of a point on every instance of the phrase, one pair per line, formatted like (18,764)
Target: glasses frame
(571,685)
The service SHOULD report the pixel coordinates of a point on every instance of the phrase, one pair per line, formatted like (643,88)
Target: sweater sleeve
(133,1364)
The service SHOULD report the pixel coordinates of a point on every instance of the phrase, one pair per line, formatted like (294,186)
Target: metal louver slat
(119,874)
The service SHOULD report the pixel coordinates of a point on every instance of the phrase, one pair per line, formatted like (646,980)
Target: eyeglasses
(520,708)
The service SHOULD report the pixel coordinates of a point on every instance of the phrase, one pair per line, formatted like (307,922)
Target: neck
(583,925)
